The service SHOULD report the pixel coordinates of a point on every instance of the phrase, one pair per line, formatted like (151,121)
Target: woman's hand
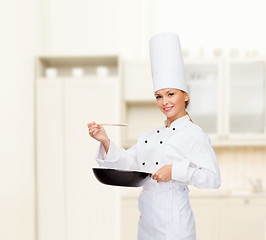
(97,132)
(164,174)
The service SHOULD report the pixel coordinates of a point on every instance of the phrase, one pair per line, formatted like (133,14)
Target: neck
(170,120)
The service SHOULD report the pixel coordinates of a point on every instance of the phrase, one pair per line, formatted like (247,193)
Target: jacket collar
(177,122)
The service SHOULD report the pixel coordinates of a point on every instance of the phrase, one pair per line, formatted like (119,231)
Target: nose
(165,100)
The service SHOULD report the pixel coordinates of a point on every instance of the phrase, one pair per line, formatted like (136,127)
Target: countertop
(132,193)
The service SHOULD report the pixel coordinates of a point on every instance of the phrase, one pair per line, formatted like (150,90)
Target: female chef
(178,153)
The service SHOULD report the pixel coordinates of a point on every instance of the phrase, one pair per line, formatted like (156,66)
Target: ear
(186,96)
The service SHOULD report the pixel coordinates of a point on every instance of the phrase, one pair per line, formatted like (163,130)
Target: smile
(168,108)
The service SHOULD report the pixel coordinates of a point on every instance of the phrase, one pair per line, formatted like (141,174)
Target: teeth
(168,108)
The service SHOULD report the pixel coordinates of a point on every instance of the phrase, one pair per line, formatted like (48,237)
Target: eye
(158,97)
(171,94)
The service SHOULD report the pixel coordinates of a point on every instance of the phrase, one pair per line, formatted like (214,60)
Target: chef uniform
(165,211)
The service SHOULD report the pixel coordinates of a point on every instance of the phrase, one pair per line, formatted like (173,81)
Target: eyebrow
(166,92)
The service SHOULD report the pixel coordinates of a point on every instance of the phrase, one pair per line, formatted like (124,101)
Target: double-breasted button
(143,163)
(157,163)
(173,128)
(146,141)
(158,131)
(161,142)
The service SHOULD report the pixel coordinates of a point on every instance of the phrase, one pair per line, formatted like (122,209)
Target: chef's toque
(166,60)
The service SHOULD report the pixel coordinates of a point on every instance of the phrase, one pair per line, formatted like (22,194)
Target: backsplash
(239,163)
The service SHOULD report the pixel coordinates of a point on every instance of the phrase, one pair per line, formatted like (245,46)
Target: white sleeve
(200,168)
(117,157)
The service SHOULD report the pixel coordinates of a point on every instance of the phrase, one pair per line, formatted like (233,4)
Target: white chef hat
(166,60)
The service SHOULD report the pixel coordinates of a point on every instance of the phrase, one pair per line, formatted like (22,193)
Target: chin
(169,115)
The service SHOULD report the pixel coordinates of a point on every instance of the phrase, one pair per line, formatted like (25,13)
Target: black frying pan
(125,178)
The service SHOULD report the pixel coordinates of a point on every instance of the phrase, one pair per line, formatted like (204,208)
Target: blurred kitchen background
(66,63)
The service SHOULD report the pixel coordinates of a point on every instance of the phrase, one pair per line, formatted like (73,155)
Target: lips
(168,108)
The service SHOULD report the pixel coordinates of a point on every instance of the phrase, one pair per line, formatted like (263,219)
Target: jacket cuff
(101,155)
(183,171)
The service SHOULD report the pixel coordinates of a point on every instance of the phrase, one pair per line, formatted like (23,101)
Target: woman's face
(171,102)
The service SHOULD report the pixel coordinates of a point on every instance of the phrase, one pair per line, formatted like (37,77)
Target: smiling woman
(178,153)
(172,102)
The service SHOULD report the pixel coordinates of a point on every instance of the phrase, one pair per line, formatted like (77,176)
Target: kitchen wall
(19,40)
(82,27)
(238,164)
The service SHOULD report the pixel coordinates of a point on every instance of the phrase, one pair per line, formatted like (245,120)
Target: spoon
(114,124)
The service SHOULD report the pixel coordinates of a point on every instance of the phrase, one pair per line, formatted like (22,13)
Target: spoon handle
(113,124)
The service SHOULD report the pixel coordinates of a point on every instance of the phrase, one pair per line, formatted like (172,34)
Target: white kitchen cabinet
(230,217)
(243,218)
(246,97)
(50,160)
(204,80)
(138,100)
(137,80)
(206,214)
(129,219)
(71,203)
(227,100)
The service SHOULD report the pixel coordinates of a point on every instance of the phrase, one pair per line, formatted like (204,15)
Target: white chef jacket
(188,148)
